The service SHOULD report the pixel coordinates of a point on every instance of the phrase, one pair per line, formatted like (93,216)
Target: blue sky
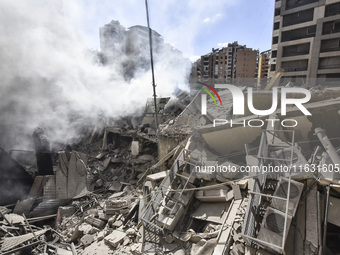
(192,26)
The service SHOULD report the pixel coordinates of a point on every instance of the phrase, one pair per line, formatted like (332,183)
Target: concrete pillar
(43,152)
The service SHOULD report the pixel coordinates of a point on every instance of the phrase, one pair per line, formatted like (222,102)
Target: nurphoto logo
(238,104)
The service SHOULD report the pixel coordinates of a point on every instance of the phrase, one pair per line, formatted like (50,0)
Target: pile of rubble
(187,188)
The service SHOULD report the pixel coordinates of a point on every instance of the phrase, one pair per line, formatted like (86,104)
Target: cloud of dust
(50,79)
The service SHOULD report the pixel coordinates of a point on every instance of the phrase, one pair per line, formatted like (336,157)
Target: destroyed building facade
(188,187)
(263,68)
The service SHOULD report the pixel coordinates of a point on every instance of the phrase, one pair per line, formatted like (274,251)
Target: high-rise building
(227,64)
(306,41)
(263,68)
(129,48)
(137,40)
(111,37)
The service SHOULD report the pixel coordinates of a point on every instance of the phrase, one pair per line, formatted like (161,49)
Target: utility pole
(151,60)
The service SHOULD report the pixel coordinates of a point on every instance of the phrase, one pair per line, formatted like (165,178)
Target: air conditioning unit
(169,214)
(272,227)
(281,190)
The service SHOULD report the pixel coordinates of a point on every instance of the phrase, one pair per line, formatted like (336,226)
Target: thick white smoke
(50,79)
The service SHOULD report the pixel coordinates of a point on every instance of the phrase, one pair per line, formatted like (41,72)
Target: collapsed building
(188,187)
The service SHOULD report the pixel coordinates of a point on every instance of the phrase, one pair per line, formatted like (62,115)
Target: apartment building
(111,37)
(263,68)
(306,41)
(137,40)
(246,66)
(227,64)
(129,49)
(195,72)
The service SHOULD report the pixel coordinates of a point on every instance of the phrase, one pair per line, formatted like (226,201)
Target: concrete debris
(187,188)
(115,238)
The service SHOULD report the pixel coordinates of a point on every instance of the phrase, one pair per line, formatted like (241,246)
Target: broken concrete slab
(226,228)
(106,163)
(115,238)
(76,178)
(212,212)
(204,247)
(229,196)
(242,183)
(313,230)
(70,174)
(144,159)
(212,195)
(114,206)
(97,248)
(135,148)
(236,191)
(13,218)
(12,242)
(157,176)
(66,211)
(95,222)
(86,240)
(115,186)
(117,194)
(61,174)
(61,251)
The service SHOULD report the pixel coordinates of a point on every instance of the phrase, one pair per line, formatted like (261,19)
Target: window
(298,17)
(275,40)
(332,9)
(295,65)
(274,54)
(296,3)
(277,12)
(331,27)
(299,33)
(295,50)
(276,25)
(330,45)
(272,67)
(329,63)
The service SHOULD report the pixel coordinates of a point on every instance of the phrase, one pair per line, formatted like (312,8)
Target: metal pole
(151,60)
(325,221)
